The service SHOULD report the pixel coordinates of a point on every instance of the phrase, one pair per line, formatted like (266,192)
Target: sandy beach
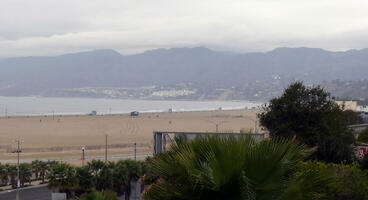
(62,137)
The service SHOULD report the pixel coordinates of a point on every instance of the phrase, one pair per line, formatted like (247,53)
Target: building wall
(348,105)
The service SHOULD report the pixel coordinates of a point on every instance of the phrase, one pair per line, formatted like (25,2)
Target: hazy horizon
(193,47)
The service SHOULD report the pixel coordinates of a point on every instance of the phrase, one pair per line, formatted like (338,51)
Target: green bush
(364,162)
(363,136)
(350,182)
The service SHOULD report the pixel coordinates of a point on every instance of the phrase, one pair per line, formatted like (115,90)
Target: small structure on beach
(161,138)
(93,113)
(134,114)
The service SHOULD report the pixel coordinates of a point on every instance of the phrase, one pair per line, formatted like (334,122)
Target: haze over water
(22,106)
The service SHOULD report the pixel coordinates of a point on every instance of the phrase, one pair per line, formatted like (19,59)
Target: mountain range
(197,67)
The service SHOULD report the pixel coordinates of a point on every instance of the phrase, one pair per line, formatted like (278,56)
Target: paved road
(30,193)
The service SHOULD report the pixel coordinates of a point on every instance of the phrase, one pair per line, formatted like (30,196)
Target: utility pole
(255,126)
(18,141)
(83,156)
(106,149)
(135,150)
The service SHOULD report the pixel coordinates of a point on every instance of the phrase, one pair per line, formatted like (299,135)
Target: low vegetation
(363,136)
(348,181)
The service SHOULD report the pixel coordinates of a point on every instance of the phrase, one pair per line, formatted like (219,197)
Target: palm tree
(96,195)
(133,171)
(102,174)
(95,166)
(3,175)
(62,177)
(25,173)
(104,179)
(148,177)
(232,168)
(119,177)
(85,182)
(43,169)
(11,171)
(36,168)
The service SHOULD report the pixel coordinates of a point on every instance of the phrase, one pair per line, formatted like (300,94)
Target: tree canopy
(363,136)
(310,114)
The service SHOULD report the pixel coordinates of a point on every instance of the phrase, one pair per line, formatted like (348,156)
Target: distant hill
(349,90)
(200,67)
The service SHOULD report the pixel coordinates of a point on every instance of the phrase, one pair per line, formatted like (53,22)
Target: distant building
(363,108)
(348,105)
(162,138)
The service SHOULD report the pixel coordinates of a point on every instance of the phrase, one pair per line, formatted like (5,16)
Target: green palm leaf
(230,168)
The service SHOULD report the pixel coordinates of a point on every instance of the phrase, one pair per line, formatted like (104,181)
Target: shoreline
(124,113)
(48,106)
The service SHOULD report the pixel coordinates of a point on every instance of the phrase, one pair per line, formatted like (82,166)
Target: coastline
(48,106)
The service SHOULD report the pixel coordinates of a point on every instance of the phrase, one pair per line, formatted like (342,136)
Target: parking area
(31,193)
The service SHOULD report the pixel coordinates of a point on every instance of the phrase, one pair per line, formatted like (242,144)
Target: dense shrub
(312,116)
(364,162)
(349,181)
(363,136)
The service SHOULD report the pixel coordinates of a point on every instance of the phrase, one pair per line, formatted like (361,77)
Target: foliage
(310,114)
(104,179)
(43,168)
(62,177)
(3,174)
(349,182)
(25,173)
(125,172)
(35,167)
(84,183)
(96,175)
(96,195)
(95,166)
(352,117)
(363,136)
(149,177)
(364,162)
(11,170)
(232,168)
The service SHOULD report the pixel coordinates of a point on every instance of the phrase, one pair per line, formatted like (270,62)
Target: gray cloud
(44,27)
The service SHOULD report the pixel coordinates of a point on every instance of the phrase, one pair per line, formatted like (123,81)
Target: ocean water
(23,106)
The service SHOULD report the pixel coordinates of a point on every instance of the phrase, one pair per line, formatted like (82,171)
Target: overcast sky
(52,27)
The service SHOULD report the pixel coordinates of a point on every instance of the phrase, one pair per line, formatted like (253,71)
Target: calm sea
(17,106)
